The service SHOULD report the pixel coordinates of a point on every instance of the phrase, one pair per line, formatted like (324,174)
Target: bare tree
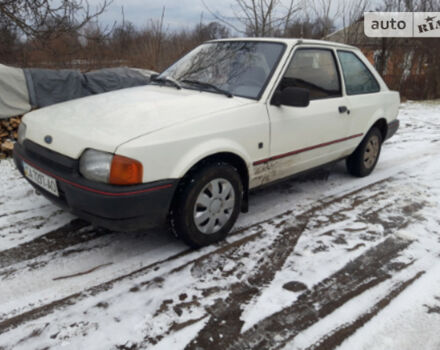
(210,31)
(9,41)
(43,17)
(352,14)
(159,34)
(410,5)
(322,14)
(259,17)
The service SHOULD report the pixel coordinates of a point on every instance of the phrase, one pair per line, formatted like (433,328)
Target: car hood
(105,121)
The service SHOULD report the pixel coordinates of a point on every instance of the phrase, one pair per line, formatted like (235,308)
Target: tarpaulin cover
(21,90)
(14,97)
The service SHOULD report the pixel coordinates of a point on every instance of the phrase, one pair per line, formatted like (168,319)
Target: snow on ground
(322,262)
(23,214)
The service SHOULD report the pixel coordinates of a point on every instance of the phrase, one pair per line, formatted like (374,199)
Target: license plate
(42,180)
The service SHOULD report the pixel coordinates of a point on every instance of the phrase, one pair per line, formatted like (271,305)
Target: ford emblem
(48,139)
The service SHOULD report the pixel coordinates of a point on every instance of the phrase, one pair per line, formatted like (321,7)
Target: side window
(358,79)
(315,70)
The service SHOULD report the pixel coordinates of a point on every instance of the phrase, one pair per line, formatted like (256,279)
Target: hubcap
(214,206)
(371,152)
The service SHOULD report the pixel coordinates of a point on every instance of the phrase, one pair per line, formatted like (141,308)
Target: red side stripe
(85,188)
(305,149)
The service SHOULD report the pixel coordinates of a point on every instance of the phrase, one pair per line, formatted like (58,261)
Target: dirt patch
(295,286)
(433,309)
(356,247)
(34,334)
(83,272)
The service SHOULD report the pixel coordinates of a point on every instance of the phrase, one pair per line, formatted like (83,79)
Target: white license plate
(42,180)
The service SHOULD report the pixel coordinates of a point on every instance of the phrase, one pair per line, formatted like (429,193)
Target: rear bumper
(121,208)
(392,128)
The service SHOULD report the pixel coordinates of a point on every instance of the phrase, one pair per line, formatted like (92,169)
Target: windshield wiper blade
(173,81)
(207,85)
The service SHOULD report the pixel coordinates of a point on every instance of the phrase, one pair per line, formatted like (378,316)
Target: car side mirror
(153,77)
(291,96)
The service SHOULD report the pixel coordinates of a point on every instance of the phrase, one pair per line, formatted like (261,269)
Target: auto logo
(48,139)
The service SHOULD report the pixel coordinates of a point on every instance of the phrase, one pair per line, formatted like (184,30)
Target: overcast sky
(179,13)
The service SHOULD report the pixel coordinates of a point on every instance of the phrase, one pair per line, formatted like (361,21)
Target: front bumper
(121,208)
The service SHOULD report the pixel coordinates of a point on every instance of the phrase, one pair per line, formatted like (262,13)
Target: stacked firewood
(8,135)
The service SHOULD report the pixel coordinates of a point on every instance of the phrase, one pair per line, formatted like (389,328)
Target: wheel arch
(382,125)
(229,157)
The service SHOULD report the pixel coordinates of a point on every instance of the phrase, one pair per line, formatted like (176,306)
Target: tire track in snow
(338,335)
(363,273)
(73,233)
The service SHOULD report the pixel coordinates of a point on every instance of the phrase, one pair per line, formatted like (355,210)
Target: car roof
(292,41)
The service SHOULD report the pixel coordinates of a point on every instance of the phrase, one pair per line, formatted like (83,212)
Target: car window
(358,78)
(242,68)
(315,70)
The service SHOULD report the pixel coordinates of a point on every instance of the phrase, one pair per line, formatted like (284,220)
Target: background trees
(411,66)
(259,18)
(45,17)
(68,34)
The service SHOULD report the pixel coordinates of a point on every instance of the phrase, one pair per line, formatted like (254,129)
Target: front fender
(206,149)
(172,151)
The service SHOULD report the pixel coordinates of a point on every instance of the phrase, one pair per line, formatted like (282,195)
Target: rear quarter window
(358,78)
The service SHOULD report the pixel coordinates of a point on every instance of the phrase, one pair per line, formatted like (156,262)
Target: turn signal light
(125,171)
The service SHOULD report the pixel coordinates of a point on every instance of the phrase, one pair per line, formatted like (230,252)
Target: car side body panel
(367,109)
(240,131)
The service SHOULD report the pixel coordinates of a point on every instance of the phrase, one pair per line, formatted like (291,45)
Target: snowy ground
(319,263)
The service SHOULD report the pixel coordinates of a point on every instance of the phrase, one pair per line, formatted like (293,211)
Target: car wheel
(207,205)
(364,159)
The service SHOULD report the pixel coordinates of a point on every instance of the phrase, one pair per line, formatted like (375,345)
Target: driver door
(306,137)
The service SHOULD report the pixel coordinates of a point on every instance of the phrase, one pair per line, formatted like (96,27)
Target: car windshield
(240,68)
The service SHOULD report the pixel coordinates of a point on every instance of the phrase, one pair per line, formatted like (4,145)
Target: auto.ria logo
(430,25)
(402,24)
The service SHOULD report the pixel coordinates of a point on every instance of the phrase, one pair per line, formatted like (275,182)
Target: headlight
(21,133)
(96,165)
(109,168)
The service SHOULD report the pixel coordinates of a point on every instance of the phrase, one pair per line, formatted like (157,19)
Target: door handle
(344,109)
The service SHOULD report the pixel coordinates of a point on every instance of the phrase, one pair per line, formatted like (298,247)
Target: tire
(207,205)
(364,159)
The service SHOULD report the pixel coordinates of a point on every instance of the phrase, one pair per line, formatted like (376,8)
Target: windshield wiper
(173,81)
(207,85)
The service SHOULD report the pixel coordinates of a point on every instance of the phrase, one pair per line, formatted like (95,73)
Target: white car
(228,117)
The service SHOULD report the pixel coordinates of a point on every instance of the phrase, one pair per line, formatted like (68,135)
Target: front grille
(49,158)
